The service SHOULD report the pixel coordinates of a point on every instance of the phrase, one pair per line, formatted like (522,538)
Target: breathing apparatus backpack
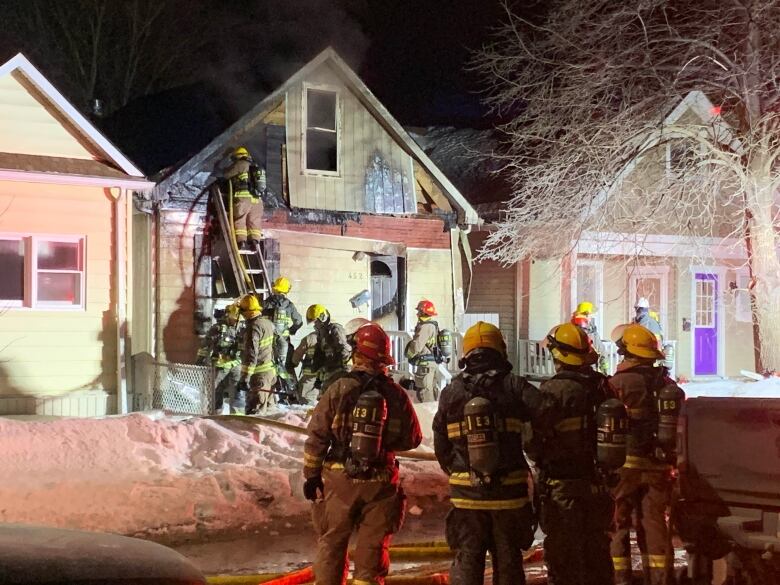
(444,344)
(611,432)
(669,399)
(482,440)
(369,418)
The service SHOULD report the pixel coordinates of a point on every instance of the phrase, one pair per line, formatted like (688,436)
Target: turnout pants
(225,386)
(375,509)
(425,381)
(307,388)
(641,500)
(472,533)
(576,516)
(261,388)
(247,218)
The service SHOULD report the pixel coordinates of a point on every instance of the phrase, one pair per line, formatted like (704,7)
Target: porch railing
(536,361)
(399,340)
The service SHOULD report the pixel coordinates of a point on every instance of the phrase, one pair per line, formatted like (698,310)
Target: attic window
(681,157)
(322,131)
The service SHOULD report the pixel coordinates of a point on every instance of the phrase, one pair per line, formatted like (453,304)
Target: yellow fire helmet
(250,306)
(316,313)
(585,308)
(570,345)
(483,335)
(239,153)
(281,285)
(637,340)
(233,312)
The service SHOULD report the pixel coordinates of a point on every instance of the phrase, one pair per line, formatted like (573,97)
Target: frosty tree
(593,80)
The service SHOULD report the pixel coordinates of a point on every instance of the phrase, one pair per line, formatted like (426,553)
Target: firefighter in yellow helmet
(645,486)
(478,440)
(583,317)
(576,506)
(221,348)
(258,373)
(350,467)
(246,186)
(421,352)
(333,350)
(287,321)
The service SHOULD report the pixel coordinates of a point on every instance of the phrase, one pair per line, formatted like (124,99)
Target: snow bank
(768,388)
(159,476)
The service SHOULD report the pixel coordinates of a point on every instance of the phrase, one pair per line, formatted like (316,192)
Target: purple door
(705,331)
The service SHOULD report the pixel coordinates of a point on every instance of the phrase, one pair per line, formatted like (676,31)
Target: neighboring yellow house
(65,290)
(354,205)
(699,292)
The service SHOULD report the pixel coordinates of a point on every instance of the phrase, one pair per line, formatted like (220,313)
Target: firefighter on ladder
(246,185)
(478,441)
(652,400)
(350,467)
(420,352)
(258,373)
(576,506)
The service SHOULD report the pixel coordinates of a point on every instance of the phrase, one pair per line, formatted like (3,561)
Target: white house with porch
(699,291)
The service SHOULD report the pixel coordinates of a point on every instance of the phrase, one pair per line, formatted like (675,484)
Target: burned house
(356,216)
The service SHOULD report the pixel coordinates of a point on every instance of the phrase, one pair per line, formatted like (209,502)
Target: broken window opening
(322,134)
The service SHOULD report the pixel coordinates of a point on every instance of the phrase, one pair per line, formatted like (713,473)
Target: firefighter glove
(312,486)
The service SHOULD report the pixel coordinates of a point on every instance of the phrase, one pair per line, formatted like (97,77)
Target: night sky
(410,53)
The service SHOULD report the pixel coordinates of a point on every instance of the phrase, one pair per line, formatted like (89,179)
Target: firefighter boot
(252,401)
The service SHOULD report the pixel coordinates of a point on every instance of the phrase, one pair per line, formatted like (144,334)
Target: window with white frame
(321,148)
(42,272)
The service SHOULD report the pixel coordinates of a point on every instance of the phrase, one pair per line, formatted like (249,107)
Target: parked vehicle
(729,500)
(38,555)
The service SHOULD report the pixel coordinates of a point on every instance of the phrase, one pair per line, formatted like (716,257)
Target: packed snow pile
(157,476)
(767,388)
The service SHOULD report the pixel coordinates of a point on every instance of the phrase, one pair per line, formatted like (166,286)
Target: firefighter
(646,480)
(351,328)
(305,354)
(644,317)
(350,467)
(576,507)
(477,435)
(333,351)
(246,185)
(421,352)
(221,350)
(287,321)
(258,374)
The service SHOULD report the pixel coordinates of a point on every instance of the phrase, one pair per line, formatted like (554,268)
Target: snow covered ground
(767,388)
(167,478)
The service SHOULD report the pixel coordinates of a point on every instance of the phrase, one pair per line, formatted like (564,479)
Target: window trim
(30,301)
(305,129)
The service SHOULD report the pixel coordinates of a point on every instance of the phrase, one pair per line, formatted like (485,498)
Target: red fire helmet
(426,308)
(372,342)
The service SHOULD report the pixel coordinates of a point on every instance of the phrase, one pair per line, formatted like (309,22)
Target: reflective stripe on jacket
(258,354)
(330,427)
(513,400)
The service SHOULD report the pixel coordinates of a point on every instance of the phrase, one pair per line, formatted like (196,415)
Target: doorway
(706,324)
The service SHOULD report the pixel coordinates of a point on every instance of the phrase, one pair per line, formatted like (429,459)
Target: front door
(705,325)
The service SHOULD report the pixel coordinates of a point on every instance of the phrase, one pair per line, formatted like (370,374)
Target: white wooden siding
(327,277)
(361,137)
(429,276)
